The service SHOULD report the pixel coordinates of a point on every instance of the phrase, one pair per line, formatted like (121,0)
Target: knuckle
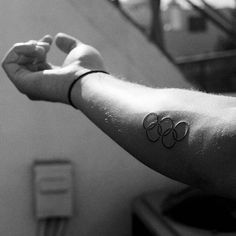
(3,64)
(19,88)
(16,45)
(30,42)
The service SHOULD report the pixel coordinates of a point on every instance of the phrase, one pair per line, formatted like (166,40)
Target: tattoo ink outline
(149,125)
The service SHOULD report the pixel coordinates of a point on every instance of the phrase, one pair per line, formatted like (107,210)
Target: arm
(203,156)
(186,135)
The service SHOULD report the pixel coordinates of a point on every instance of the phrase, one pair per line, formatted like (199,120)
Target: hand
(27,67)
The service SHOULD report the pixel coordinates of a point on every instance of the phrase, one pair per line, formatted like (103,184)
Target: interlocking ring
(178,136)
(164,129)
(150,121)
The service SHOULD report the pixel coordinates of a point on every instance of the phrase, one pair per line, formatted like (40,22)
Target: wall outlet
(53,188)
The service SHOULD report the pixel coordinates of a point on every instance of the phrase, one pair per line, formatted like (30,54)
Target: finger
(34,57)
(28,49)
(37,61)
(46,42)
(66,42)
(10,62)
(34,42)
(43,66)
(45,45)
(38,66)
(23,60)
(14,53)
(47,39)
(16,72)
(41,49)
(37,51)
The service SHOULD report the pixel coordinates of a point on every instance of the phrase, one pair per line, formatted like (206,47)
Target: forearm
(119,108)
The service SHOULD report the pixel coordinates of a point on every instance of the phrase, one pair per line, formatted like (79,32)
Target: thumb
(66,42)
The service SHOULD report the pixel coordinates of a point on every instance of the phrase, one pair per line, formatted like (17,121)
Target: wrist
(73,88)
(58,82)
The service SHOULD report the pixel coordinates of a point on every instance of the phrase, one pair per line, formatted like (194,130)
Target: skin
(204,155)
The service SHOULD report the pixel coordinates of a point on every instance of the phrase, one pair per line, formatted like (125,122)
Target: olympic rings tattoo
(165,130)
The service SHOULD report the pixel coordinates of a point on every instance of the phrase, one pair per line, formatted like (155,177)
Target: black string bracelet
(74,82)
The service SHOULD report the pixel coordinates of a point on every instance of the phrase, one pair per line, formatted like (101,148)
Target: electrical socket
(53,188)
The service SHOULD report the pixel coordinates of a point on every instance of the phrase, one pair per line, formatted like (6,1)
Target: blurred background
(183,44)
(198,35)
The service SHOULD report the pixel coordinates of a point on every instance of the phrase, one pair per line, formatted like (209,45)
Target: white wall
(107,178)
